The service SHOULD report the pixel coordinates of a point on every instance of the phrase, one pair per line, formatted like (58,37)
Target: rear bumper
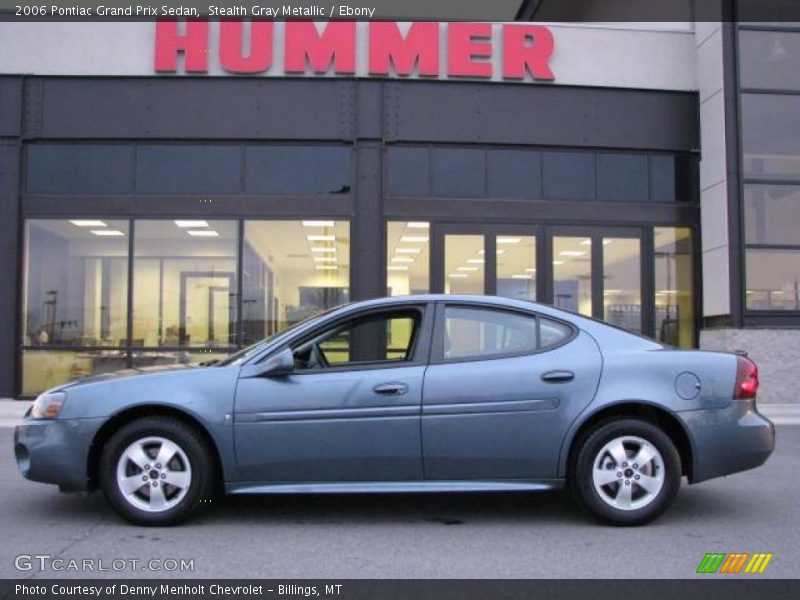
(728,440)
(55,451)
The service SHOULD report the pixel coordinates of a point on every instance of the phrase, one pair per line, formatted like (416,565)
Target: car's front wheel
(626,472)
(157,471)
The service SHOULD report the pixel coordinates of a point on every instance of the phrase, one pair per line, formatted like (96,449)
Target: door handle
(558,376)
(390,389)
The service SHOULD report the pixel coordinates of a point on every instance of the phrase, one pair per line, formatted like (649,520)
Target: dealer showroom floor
(416,536)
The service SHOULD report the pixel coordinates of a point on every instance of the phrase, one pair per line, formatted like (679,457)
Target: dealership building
(173,191)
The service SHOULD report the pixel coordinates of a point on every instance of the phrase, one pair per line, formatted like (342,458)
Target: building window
(622,283)
(771,136)
(188,169)
(159,168)
(516,266)
(407,258)
(769,59)
(770,116)
(459,172)
(674,279)
(184,284)
(569,175)
(76,295)
(292,270)
(572,274)
(536,174)
(79,168)
(773,279)
(297,169)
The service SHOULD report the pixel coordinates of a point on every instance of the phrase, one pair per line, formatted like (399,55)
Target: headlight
(48,405)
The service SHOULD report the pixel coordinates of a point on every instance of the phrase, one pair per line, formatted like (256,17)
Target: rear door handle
(558,376)
(393,388)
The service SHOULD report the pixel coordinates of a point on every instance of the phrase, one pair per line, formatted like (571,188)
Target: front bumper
(56,451)
(729,440)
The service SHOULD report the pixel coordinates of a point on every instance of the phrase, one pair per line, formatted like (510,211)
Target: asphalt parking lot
(415,536)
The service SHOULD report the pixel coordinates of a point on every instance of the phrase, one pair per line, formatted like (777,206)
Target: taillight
(746,379)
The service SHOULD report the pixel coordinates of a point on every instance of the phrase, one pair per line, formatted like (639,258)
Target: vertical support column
(368,274)
(367,236)
(10,259)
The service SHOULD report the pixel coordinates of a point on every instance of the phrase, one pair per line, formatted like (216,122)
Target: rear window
(482,332)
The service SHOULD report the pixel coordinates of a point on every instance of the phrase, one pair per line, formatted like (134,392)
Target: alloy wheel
(628,473)
(153,474)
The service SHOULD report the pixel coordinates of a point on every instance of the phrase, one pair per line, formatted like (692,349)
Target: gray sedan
(417,394)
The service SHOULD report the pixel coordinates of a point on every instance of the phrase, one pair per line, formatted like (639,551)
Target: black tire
(588,452)
(188,502)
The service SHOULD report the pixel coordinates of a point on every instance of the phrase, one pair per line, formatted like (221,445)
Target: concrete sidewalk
(11,412)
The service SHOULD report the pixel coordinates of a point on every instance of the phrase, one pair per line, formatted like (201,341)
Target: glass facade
(674,286)
(770,117)
(185,293)
(572,274)
(407,258)
(622,282)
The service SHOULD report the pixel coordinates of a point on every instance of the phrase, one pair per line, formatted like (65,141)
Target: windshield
(246,353)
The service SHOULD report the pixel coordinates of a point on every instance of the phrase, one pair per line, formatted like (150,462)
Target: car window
(482,332)
(376,338)
(478,332)
(552,332)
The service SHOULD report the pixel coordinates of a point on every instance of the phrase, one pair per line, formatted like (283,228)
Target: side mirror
(276,365)
(279,364)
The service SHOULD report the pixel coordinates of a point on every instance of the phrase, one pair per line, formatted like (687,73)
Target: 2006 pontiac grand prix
(417,394)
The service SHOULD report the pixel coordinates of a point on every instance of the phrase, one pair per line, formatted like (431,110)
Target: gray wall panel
(197,108)
(546,115)
(10,106)
(9,262)
(194,108)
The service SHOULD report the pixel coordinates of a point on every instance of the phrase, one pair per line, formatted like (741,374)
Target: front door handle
(393,388)
(558,376)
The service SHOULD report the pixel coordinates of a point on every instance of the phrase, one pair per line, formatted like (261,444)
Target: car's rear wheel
(626,472)
(157,471)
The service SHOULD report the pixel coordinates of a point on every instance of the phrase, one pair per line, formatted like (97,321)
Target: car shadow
(444,509)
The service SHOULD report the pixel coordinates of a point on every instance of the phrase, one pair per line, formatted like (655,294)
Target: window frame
(420,346)
(437,342)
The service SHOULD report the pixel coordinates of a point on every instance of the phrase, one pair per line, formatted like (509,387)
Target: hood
(124,373)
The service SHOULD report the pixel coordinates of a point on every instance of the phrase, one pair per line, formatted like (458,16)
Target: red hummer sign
(472,50)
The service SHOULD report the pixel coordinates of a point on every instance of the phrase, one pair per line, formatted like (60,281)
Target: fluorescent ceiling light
(670,292)
(530,270)
(500,252)
(558,262)
(321,238)
(327,267)
(414,238)
(467,269)
(522,277)
(328,250)
(108,232)
(408,250)
(402,259)
(458,275)
(508,240)
(612,292)
(88,223)
(476,261)
(418,225)
(318,223)
(180,223)
(202,233)
(606,242)
(571,253)
(397,268)
(325,259)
